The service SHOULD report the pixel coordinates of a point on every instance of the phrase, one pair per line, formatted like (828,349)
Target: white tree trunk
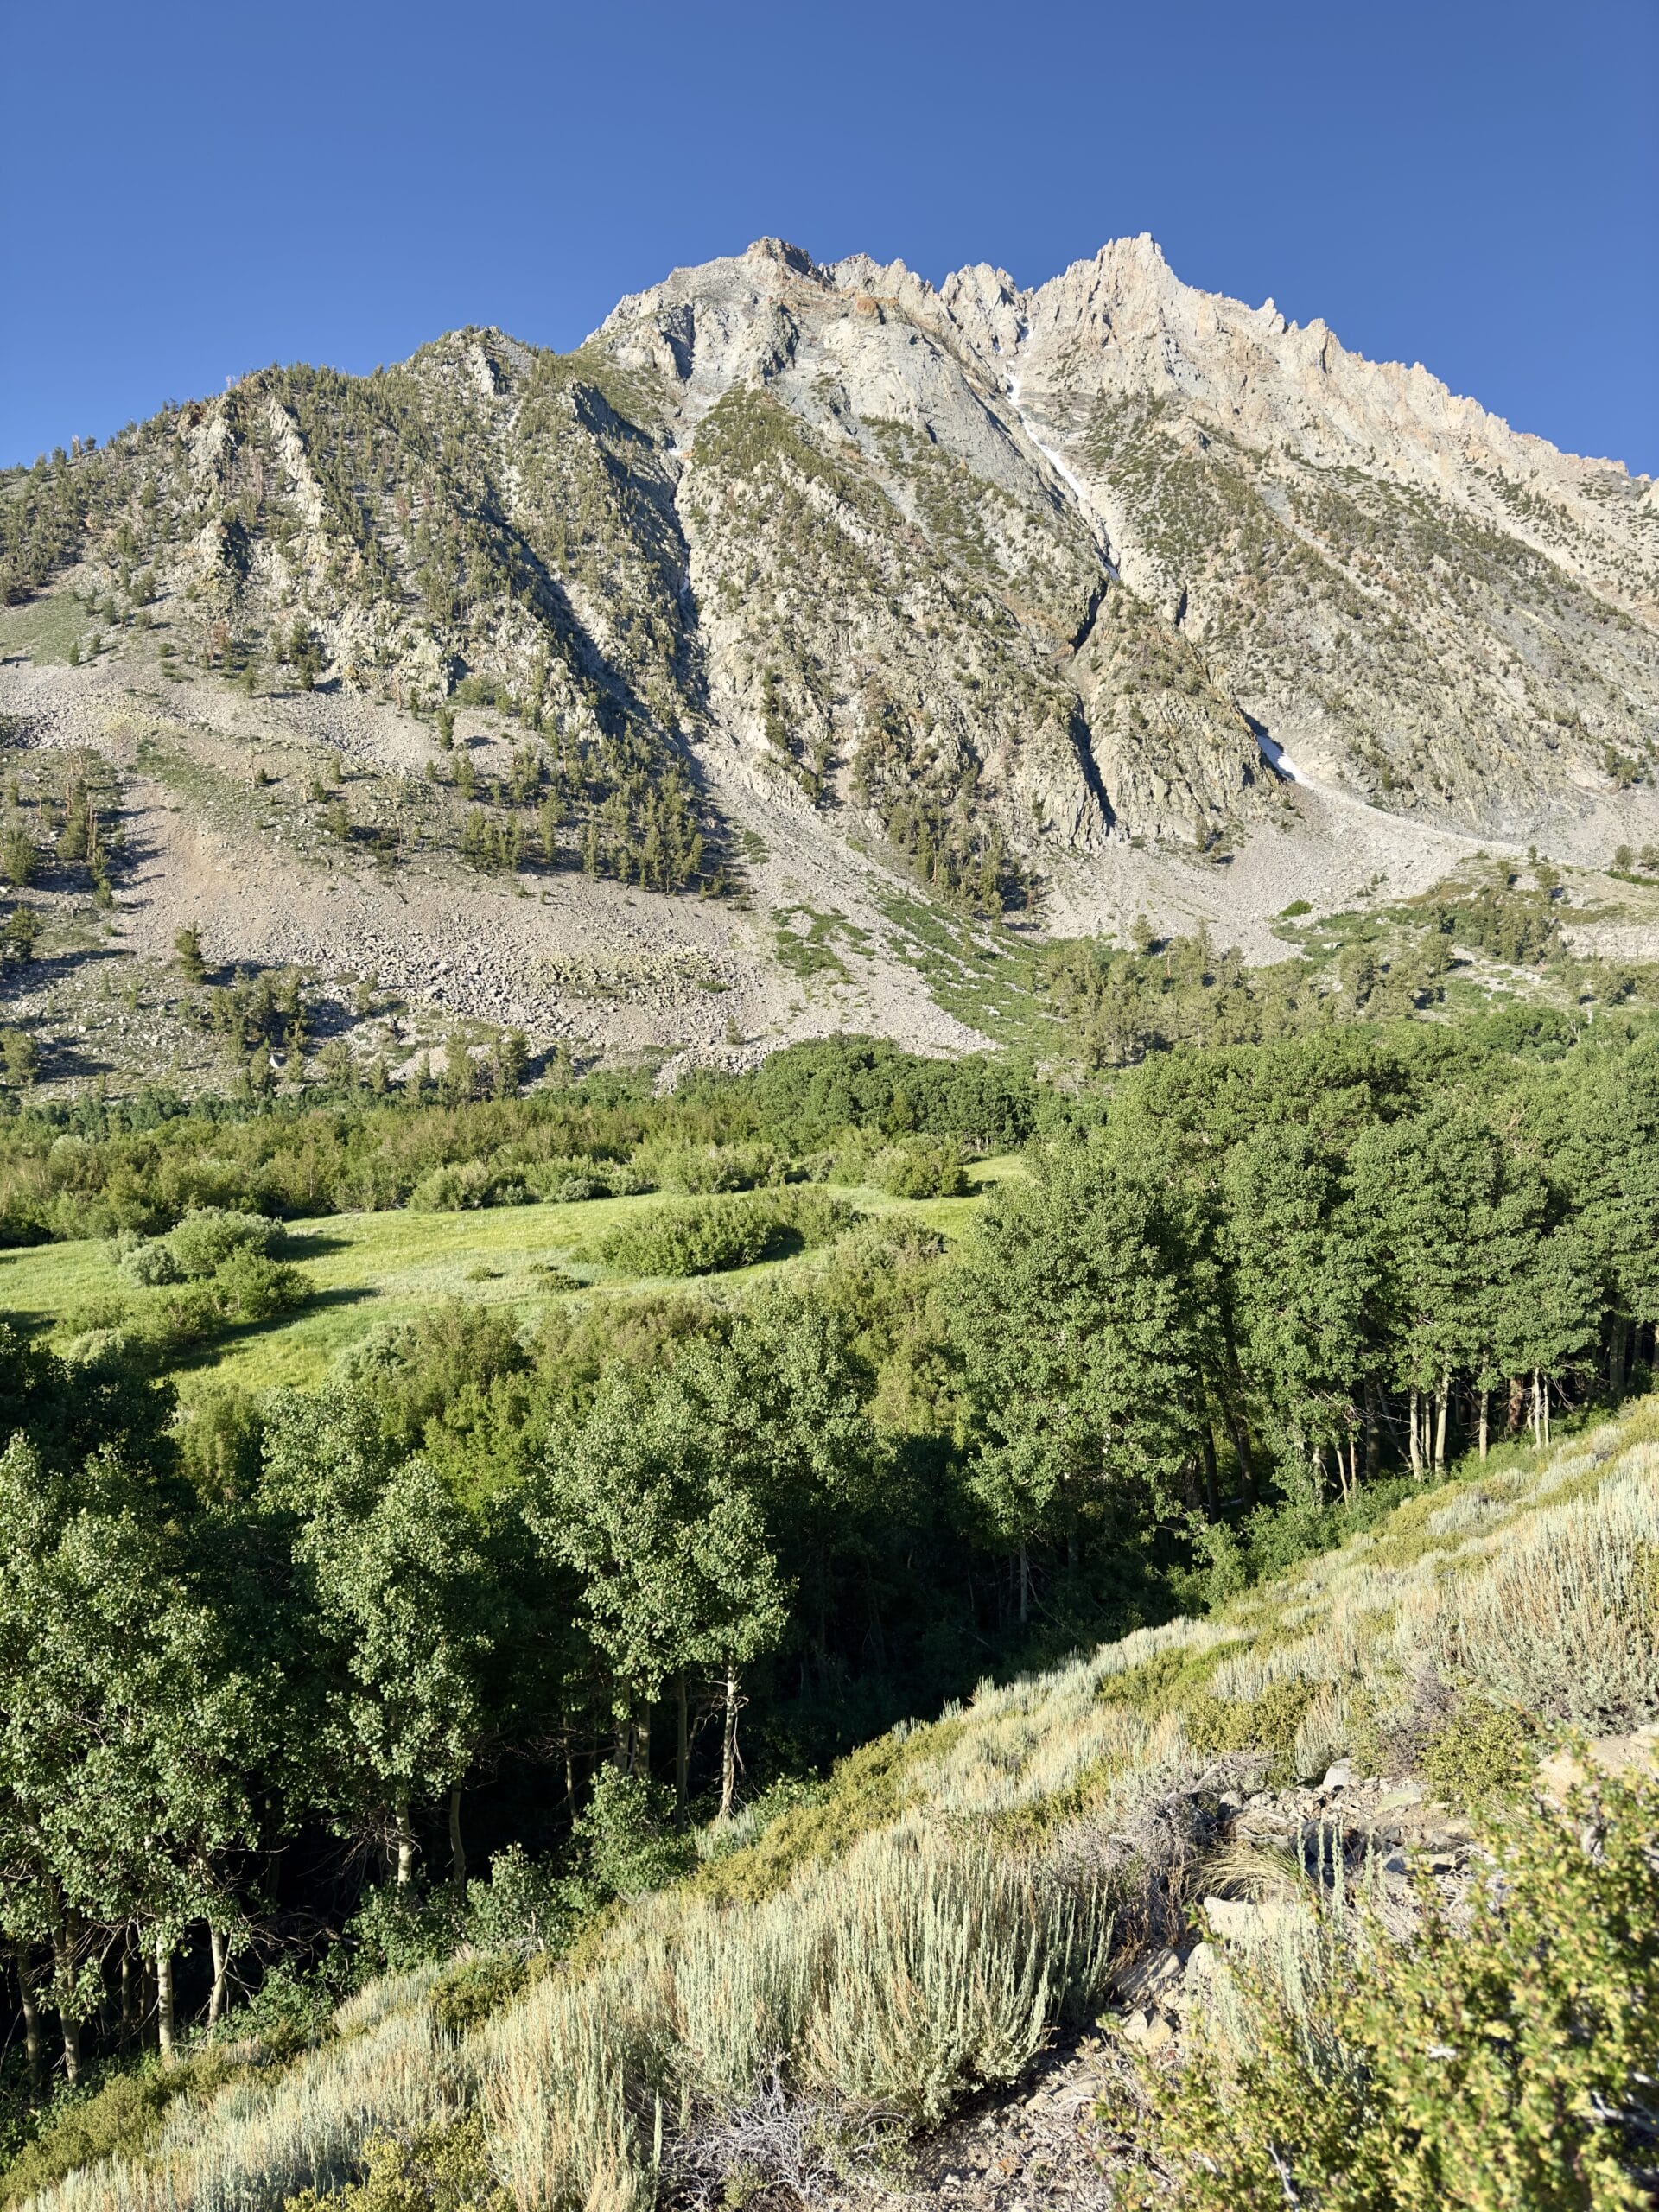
(1441,1408)
(403,1839)
(729,1748)
(63,1962)
(219,1942)
(164,2024)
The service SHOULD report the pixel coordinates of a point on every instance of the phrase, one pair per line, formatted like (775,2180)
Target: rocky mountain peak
(1008,577)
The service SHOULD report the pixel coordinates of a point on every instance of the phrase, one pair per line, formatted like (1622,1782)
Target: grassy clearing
(363,1269)
(985,976)
(44,628)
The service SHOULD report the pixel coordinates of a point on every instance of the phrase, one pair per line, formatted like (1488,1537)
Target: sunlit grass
(364,1269)
(44,627)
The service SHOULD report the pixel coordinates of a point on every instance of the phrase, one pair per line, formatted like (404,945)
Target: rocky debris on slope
(598,968)
(1034,595)
(1051,2140)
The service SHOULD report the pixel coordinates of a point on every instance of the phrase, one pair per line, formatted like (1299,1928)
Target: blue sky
(191,189)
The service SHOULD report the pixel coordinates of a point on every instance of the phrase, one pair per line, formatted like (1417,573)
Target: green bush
(206,1238)
(923,1171)
(248,1287)
(626,1839)
(290,2013)
(471,1990)
(1483,1755)
(395,1930)
(695,1237)
(812,1216)
(706,1237)
(151,1324)
(524,1905)
(702,1171)
(1267,1723)
(465,1185)
(570,1185)
(1506,2068)
(115,2119)
(148,1261)
(444,2167)
(209,1235)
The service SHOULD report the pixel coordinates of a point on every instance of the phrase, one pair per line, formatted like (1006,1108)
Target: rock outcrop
(999,575)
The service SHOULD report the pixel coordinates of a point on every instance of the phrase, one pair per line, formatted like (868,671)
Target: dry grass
(898,1980)
(260,2140)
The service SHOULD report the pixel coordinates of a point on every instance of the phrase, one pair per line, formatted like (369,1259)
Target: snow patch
(1278,759)
(1069,477)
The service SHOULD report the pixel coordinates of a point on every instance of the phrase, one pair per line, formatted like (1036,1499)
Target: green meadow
(363,1270)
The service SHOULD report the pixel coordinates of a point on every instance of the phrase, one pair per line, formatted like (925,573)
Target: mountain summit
(1387,583)
(1026,595)
(997,567)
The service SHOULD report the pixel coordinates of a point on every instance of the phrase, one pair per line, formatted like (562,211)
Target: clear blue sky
(191,187)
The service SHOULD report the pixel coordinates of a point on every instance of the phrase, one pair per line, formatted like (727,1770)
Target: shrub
(442,2168)
(473,1990)
(455,1189)
(208,1235)
(1566,1623)
(903,1976)
(948,1969)
(172,1315)
(705,1236)
(248,1287)
(397,1930)
(1483,1755)
(206,1238)
(115,2119)
(626,1838)
(707,1170)
(1508,2066)
(813,1216)
(288,2012)
(1267,1722)
(922,1172)
(148,1261)
(568,1186)
(695,1236)
(524,1906)
(221,1433)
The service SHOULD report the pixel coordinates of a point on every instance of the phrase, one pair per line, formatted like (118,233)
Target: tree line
(96,1165)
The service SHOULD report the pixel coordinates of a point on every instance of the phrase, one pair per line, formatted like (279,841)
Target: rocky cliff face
(995,574)
(1395,589)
